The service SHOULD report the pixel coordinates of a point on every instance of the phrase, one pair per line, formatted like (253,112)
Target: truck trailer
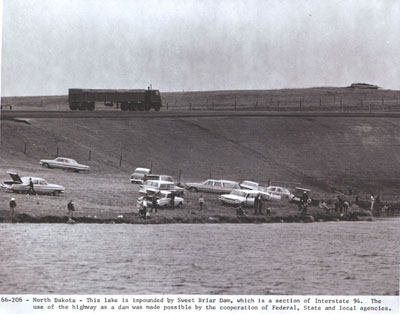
(125,99)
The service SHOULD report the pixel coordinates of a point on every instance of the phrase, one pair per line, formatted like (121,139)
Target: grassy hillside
(323,153)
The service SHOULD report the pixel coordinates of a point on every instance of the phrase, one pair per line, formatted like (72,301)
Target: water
(346,258)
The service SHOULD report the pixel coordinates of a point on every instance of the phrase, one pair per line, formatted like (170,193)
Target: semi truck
(125,99)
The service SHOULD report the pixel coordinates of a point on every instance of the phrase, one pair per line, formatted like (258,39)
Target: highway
(19,114)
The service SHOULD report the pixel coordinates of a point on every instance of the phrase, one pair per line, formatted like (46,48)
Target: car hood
(233,197)
(45,160)
(15,176)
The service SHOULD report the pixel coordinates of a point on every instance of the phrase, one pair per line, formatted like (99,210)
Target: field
(329,155)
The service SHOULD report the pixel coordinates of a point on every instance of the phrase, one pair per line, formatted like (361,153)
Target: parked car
(153,186)
(64,163)
(40,185)
(163,200)
(277,190)
(139,175)
(249,185)
(298,193)
(160,177)
(213,186)
(239,197)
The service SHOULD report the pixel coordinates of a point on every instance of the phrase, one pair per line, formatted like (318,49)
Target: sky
(49,46)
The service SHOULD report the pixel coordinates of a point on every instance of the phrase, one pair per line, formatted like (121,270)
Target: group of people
(258,207)
(13,205)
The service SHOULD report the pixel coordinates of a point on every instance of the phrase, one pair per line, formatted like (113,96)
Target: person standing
(260,204)
(71,209)
(304,203)
(201,202)
(372,200)
(12,204)
(154,204)
(256,204)
(173,199)
(31,189)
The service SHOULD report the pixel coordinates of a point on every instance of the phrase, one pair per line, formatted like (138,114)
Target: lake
(330,258)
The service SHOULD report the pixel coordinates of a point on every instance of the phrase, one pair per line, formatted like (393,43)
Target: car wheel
(46,165)
(194,190)
(56,193)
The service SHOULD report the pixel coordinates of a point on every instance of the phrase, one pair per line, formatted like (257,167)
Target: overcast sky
(49,46)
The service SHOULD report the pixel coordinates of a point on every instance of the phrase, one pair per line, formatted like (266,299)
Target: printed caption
(195,304)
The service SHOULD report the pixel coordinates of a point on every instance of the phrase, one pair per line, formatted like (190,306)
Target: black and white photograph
(217,148)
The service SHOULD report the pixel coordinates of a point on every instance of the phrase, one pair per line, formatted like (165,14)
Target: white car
(163,200)
(239,197)
(246,197)
(154,186)
(277,190)
(139,175)
(249,185)
(64,163)
(40,185)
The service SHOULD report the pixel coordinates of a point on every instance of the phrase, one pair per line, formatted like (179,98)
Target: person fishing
(12,205)
(71,209)
(303,203)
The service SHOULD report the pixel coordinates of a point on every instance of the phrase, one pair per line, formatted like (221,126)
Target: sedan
(239,197)
(64,163)
(277,190)
(40,185)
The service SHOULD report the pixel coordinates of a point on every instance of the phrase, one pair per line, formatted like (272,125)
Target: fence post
(180,176)
(210,175)
(167,106)
(58,150)
(90,154)
(151,167)
(25,149)
(320,103)
(120,162)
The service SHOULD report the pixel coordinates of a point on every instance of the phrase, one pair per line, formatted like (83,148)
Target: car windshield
(248,183)
(238,193)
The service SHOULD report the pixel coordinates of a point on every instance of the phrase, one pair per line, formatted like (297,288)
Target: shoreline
(134,218)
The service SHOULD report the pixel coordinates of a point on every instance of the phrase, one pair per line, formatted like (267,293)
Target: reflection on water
(347,258)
